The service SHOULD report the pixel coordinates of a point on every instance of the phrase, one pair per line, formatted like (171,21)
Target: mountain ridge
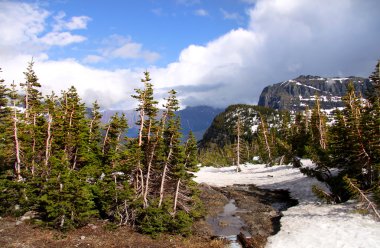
(298,93)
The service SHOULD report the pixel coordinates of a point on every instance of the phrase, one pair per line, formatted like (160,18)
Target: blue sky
(213,52)
(162,28)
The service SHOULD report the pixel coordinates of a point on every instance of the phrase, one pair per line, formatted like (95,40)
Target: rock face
(298,93)
(223,128)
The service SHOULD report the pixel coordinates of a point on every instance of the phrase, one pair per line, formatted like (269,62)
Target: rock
(92,226)
(245,241)
(297,93)
(82,237)
(28,215)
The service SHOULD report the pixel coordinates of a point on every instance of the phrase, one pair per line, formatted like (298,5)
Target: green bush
(181,223)
(153,221)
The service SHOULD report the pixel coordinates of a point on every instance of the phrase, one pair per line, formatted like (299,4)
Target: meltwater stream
(227,224)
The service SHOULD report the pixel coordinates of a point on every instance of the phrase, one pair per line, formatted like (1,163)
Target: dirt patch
(14,233)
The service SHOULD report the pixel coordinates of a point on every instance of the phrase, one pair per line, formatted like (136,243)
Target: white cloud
(117,46)
(201,12)
(23,28)
(61,39)
(92,59)
(20,23)
(75,22)
(282,40)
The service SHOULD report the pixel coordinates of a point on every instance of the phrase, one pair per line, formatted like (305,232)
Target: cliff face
(300,92)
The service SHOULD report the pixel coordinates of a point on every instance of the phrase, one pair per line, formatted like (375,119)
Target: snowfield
(309,224)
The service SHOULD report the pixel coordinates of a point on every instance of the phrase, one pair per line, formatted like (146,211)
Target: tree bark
(105,138)
(47,148)
(17,145)
(176,196)
(165,170)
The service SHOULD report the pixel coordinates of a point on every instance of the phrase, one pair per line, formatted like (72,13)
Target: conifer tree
(171,138)
(5,123)
(75,128)
(184,187)
(147,110)
(32,133)
(113,140)
(15,133)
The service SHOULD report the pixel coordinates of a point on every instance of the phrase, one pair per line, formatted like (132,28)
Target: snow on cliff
(309,224)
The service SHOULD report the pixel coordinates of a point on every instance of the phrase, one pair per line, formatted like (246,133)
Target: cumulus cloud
(61,38)
(20,25)
(75,22)
(117,46)
(23,28)
(282,40)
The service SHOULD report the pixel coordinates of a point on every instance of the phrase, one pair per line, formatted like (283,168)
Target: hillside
(222,129)
(296,94)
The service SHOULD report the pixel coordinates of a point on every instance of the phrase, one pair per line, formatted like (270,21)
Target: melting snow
(309,224)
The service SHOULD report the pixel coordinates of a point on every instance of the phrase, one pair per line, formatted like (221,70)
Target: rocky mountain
(300,92)
(223,128)
(196,119)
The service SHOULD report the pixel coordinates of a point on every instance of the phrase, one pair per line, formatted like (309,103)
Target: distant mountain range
(296,94)
(196,119)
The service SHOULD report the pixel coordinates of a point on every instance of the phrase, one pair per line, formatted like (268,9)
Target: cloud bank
(283,39)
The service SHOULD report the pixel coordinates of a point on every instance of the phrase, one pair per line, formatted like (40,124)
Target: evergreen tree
(5,123)
(147,138)
(32,132)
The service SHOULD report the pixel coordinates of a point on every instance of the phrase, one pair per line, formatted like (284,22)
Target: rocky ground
(256,207)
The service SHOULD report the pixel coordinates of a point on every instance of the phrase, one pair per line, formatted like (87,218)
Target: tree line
(345,147)
(58,160)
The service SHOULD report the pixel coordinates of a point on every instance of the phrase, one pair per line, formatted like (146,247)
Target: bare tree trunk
(149,169)
(142,116)
(322,131)
(17,145)
(75,159)
(47,148)
(90,132)
(34,145)
(105,138)
(176,196)
(164,172)
(265,134)
(142,178)
(26,102)
(238,146)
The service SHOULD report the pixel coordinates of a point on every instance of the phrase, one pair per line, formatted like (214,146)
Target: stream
(254,212)
(228,225)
